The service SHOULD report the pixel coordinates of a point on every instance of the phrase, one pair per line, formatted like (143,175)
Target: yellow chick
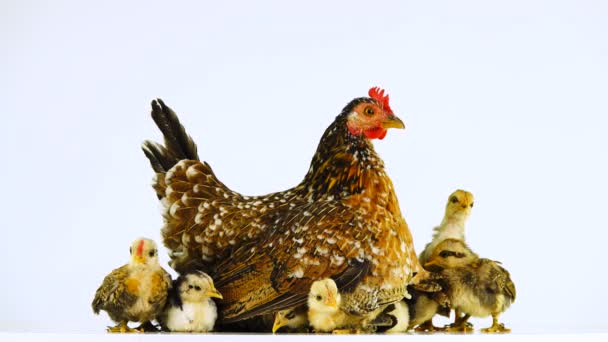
(135,292)
(475,286)
(324,313)
(457,211)
(295,319)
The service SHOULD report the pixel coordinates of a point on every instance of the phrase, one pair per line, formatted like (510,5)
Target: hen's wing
(113,295)
(309,242)
(205,220)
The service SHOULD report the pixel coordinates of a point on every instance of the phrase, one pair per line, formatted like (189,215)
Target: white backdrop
(505,99)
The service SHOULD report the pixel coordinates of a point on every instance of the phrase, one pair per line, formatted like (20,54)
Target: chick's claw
(122,328)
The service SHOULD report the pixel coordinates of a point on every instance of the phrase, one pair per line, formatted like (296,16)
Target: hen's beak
(393,122)
(213,293)
(278,323)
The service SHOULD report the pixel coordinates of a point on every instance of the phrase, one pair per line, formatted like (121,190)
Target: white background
(505,99)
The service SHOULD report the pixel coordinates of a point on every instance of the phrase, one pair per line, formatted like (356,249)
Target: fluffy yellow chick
(475,286)
(324,313)
(457,211)
(295,319)
(135,292)
(191,307)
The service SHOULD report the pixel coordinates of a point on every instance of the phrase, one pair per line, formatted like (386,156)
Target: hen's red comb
(377,94)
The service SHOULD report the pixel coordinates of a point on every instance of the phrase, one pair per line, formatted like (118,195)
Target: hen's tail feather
(160,158)
(178,144)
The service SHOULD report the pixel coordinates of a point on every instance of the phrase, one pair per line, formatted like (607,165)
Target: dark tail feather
(178,144)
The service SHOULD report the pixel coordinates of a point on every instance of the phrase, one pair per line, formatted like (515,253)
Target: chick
(457,211)
(190,307)
(423,306)
(399,316)
(295,319)
(324,313)
(135,292)
(475,286)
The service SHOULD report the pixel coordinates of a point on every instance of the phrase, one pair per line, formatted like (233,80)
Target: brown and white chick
(135,292)
(475,286)
(190,307)
(295,319)
(457,211)
(423,306)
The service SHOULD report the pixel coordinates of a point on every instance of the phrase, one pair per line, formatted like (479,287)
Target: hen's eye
(152,252)
(369,111)
(454,199)
(319,298)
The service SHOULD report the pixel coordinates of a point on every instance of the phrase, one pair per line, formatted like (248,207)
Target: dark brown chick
(475,286)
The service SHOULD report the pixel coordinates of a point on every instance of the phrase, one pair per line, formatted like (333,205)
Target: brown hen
(342,221)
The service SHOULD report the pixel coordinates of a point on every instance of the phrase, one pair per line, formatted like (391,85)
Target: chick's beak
(431,263)
(393,122)
(213,293)
(278,323)
(331,301)
(140,259)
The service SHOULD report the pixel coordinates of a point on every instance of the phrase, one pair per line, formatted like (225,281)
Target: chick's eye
(319,298)
(369,111)
(190,286)
(290,315)
(454,199)
(130,250)
(197,288)
(445,254)
(152,252)
(472,204)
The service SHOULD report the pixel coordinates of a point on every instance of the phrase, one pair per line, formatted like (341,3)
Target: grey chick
(475,286)
(190,307)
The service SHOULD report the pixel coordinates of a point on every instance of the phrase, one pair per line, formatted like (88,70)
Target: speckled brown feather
(119,292)
(265,249)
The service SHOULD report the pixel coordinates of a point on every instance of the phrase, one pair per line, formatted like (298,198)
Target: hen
(343,220)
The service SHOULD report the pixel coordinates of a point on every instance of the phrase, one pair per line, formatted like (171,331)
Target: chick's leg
(147,327)
(461,324)
(496,327)
(122,327)
(428,327)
